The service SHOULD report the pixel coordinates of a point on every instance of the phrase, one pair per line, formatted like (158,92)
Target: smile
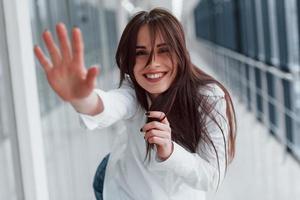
(154,77)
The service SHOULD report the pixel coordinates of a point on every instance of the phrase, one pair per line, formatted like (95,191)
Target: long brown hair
(182,101)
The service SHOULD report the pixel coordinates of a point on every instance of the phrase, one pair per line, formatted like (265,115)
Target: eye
(163,50)
(139,53)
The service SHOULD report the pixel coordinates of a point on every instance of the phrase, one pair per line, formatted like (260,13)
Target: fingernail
(147,113)
(45,30)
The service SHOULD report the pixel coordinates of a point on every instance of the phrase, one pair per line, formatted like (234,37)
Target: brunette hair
(186,108)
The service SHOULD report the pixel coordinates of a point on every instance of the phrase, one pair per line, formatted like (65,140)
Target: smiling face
(157,76)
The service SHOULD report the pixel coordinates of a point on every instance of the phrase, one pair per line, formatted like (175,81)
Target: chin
(156,92)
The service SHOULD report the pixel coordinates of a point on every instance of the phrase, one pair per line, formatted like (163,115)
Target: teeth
(153,76)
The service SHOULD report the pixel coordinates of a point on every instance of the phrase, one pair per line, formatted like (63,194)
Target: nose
(153,62)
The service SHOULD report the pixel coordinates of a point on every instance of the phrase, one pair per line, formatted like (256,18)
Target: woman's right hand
(65,71)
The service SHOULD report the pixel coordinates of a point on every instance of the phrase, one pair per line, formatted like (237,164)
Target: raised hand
(65,71)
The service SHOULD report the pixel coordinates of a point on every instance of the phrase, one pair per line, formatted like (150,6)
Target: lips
(154,77)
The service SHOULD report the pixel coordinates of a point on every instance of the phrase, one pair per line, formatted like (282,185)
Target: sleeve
(196,170)
(118,104)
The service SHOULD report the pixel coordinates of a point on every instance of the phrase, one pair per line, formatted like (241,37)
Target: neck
(153,96)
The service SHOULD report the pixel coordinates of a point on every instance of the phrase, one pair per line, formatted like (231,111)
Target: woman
(179,114)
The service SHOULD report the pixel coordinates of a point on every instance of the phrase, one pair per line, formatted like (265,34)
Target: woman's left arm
(194,168)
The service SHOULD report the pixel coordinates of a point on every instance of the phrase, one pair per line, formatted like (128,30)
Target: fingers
(52,48)
(42,58)
(62,34)
(159,115)
(158,129)
(65,53)
(91,76)
(159,141)
(156,125)
(157,133)
(77,45)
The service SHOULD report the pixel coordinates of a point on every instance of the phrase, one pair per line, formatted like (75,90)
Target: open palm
(66,72)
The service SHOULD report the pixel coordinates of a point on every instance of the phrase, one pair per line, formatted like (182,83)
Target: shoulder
(125,92)
(212,90)
(126,87)
(127,83)
(213,95)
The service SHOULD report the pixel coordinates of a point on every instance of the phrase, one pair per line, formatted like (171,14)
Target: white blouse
(183,175)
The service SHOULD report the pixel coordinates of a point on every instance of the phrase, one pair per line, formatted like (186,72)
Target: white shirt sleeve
(118,104)
(196,171)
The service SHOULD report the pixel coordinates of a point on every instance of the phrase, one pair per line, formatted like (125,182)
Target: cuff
(100,120)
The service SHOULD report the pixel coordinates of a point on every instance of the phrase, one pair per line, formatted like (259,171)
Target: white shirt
(183,175)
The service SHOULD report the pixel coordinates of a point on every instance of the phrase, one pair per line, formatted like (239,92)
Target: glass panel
(10,173)
(282,35)
(205,20)
(287,92)
(259,99)
(249,99)
(242,25)
(110,18)
(298,13)
(272,108)
(266,31)
(251,28)
(72,154)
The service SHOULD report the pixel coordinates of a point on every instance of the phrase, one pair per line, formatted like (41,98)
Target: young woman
(180,122)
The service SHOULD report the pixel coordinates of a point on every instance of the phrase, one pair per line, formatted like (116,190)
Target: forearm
(91,105)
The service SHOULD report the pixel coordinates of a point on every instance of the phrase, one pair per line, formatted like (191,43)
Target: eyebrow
(143,47)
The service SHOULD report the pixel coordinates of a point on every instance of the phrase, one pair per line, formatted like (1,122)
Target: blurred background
(251,46)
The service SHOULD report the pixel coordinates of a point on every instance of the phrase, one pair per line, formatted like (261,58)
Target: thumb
(91,76)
